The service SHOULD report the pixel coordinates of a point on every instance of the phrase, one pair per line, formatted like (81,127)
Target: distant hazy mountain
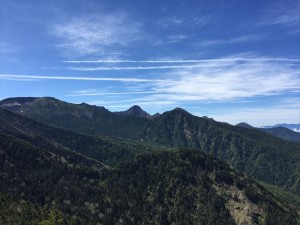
(294,127)
(283,132)
(135,111)
(277,131)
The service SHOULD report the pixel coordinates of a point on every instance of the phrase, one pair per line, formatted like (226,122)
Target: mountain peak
(20,100)
(14,104)
(135,107)
(180,110)
(136,111)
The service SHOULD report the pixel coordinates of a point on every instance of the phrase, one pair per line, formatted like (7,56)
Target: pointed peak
(136,111)
(135,107)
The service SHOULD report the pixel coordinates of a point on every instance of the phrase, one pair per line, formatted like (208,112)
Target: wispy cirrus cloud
(227,59)
(230,82)
(235,40)
(39,77)
(8,52)
(283,13)
(225,82)
(96,33)
(6,48)
(176,21)
(95,92)
(163,67)
(178,64)
(169,39)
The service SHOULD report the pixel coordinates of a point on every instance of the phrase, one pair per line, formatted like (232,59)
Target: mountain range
(88,164)
(259,155)
(294,127)
(277,130)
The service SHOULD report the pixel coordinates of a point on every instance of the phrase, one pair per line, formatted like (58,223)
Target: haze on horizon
(232,61)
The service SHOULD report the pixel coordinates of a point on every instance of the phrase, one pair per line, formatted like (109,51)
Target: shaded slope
(168,187)
(85,149)
(259,155)
(42,177)
(291,199)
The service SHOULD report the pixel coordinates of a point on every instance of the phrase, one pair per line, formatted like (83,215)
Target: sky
(235,61)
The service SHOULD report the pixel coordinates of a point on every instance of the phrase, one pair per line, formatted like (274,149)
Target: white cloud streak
(283,13)
(241,39)
(36,77)
(94,92)
(184,60)
(185,64)
(105,68)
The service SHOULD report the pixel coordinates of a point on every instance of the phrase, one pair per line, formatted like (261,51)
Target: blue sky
(231,60)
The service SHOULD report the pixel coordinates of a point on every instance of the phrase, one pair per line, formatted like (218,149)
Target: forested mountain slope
(166,187)
(81,118)
(85,148)
(18,211)
(259,155)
